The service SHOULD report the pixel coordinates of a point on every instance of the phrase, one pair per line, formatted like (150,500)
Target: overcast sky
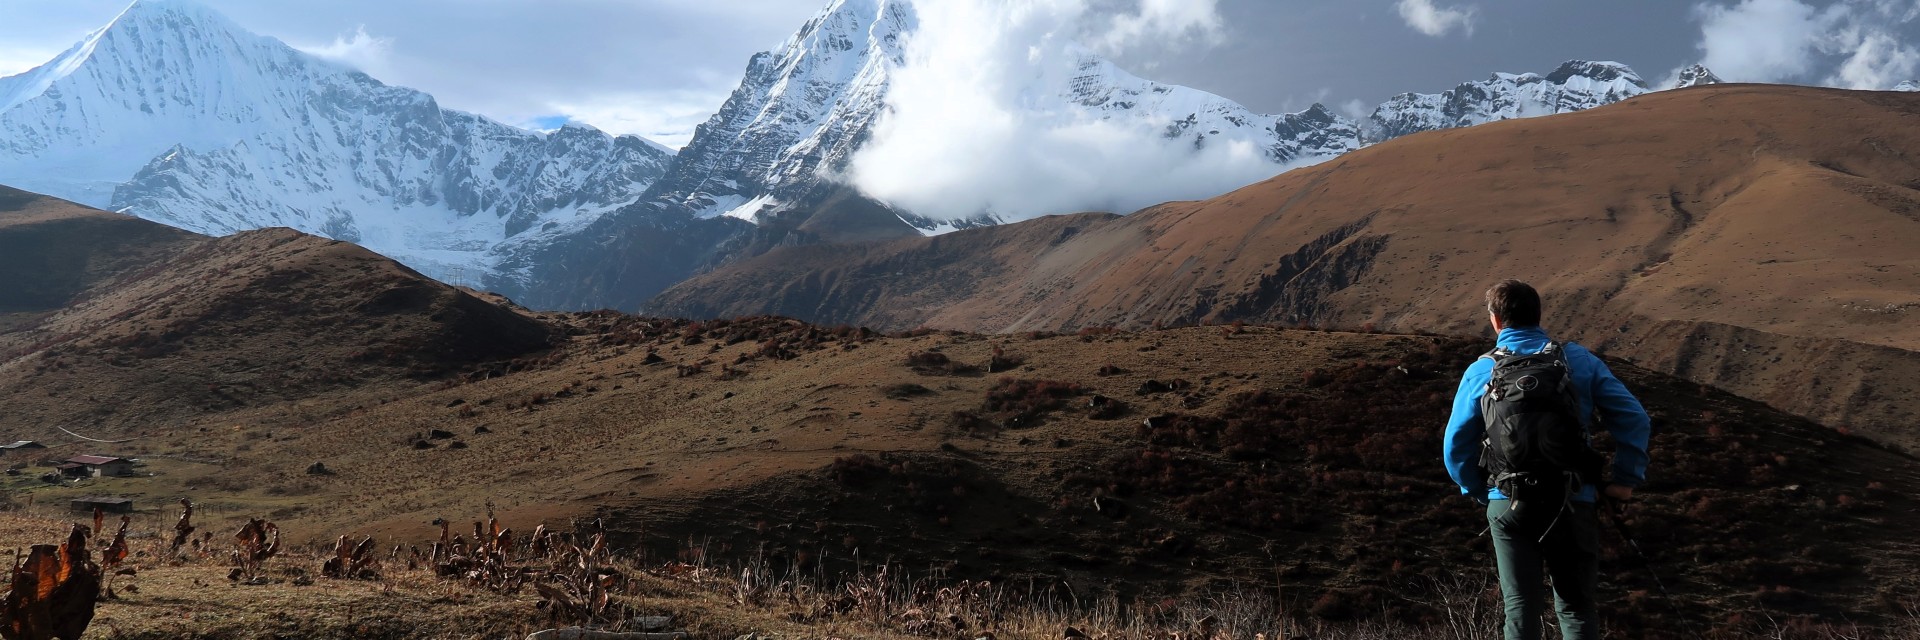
(659,67)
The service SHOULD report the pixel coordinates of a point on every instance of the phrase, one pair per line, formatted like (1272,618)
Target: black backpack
(1535,447)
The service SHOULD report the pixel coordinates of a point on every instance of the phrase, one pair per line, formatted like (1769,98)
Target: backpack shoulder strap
(1557,349)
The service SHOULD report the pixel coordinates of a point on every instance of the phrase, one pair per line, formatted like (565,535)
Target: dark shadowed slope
(51,250)
(1758,238)
(161,323)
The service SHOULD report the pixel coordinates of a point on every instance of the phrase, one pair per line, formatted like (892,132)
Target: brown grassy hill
(1756,238)
(160,325)
(1218,457)
(52,250)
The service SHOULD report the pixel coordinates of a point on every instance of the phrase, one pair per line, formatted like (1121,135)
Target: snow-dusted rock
(802,111)
(1577,85)
(1694,76)
(175,114)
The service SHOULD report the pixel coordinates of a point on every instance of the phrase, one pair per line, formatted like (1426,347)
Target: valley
(1168,462)
(1752,238)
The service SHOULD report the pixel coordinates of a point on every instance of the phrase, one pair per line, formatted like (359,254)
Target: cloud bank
(371,55)
(1433,20)
(978,122)
(1855,44)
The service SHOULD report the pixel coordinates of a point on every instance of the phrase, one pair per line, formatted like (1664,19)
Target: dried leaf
(183,528)
(116,552)
(53,592)
(539,541)
(257,541)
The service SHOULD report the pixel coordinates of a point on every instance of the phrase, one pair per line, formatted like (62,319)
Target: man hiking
(1517,441)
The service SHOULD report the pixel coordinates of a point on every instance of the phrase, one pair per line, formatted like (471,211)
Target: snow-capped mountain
(1198,118)
(800,108)
(803,109)
(1907,85)
(173,113)
(1575,86)
(1695,76)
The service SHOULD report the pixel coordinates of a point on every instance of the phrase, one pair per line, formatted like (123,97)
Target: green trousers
(1528,538)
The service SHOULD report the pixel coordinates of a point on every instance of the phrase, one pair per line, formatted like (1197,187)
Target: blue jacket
(1600,395)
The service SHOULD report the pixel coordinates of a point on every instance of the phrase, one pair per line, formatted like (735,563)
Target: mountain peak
(168,6)
(1694,76)
(170,13)
(1602,71)
(1907,85)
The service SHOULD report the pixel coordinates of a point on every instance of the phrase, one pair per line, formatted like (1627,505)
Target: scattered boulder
(1156,386)
(905,391)
(481,429)
(319,469)
(1108,410)
(422,444)
(439,434)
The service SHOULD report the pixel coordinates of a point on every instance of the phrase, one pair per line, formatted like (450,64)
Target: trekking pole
(1614,510)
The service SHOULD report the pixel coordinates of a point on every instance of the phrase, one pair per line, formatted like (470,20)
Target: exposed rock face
(1575,86)
(175,114)
(1695,76)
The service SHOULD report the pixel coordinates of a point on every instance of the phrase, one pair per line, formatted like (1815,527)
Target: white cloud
(1355,109)
(1426,17)
(667,117)
(976,123)
(1763,40)
(1792,40)
(370,54)
(1877,61)
(1163,21)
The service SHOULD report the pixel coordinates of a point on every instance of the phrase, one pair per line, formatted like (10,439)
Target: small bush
(1024,401)
(1003,361)
(858,470)
(905,391)
(934,363)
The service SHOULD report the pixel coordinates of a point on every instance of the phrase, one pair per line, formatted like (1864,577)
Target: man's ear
(1497,324)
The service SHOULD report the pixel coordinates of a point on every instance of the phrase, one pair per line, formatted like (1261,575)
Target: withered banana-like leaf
(183,528)
(53,592)
(335,567)
(257,541)
(538,545)
(116,552)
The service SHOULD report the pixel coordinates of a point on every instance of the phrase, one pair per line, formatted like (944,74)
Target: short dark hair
(1515,303)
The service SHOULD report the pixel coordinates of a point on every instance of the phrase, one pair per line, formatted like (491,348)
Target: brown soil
(1756,238)
(1302,457)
